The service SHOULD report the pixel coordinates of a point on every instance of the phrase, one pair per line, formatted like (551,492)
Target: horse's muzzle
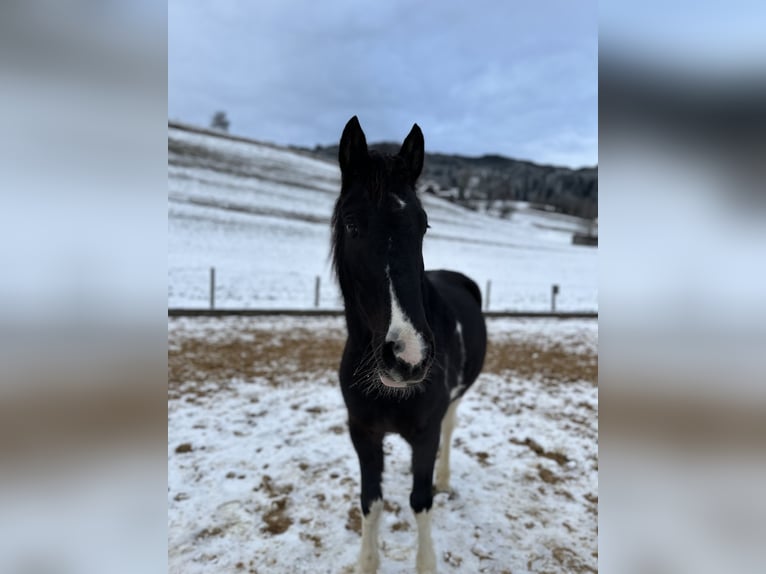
(397,372)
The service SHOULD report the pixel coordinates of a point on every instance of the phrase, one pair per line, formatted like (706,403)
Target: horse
(416,339)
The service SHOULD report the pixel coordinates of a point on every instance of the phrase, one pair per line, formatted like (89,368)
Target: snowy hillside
(260,215)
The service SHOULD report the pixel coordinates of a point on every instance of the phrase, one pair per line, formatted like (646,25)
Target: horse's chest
(407,418)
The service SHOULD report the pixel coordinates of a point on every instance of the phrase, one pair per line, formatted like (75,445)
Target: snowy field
(262,476)
(260,215)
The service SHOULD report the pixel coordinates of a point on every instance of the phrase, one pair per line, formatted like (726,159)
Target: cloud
(494,77)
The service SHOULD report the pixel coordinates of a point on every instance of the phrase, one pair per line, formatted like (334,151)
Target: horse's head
(378,229)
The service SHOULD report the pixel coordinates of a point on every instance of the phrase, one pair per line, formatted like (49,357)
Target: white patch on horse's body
(368,557)
(455,392)
(402,330)
(459,387)
(459,333)
(442,465)
(426,558)
(400,201)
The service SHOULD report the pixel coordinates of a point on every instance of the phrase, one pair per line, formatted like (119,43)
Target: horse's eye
(351,228)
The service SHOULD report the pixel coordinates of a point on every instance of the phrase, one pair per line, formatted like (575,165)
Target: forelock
(386,173)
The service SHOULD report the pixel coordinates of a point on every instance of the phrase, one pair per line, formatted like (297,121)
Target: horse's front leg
(369,449)
(442,483)
(421,498)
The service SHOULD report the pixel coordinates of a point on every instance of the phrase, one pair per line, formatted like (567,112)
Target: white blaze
(401,329)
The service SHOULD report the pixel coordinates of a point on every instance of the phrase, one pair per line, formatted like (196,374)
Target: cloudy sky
(509,77)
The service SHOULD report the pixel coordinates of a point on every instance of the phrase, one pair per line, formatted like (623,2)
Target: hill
(260,215)
(492,183)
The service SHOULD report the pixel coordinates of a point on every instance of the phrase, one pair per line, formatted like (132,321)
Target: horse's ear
(353,147)
(412,152)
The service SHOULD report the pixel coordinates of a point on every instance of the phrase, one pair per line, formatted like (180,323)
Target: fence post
(554,292)
(316,292)
(489,290)
(212,287)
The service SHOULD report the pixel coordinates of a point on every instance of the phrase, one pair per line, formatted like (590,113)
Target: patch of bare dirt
(570,561)
(199,365)
(552,362)
(354,521)
(560,458)
(271,489)
(453,559)
(209,532)
(483,458)
(547,476)
(313,538)
(276,519)
(481,554)
(401,525)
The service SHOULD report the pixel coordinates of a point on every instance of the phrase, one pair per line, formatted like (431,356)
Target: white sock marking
(426,558)
(368,556)
(443,465)
(401,329)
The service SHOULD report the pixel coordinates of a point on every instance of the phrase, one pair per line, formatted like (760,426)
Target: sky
(505,77)
(715,40)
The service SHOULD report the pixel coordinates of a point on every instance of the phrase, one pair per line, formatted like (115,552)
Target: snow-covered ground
(262,476)
(260,215)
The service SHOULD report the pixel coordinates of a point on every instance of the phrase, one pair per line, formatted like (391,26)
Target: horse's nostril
(389,351)
(395,348)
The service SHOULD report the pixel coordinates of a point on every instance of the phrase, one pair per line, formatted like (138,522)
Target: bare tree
(220,122)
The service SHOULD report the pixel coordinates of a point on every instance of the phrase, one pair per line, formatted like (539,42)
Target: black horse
(416,338)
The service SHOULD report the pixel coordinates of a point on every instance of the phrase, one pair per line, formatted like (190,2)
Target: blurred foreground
(82,287)
(682,368)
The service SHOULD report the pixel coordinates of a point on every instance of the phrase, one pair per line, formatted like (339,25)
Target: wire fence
(317,307)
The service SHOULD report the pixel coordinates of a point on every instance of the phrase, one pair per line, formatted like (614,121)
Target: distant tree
(506,210)
(220,122)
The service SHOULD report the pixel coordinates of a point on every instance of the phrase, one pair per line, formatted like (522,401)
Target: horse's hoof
(367,564)
(445,489)
(427,568)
